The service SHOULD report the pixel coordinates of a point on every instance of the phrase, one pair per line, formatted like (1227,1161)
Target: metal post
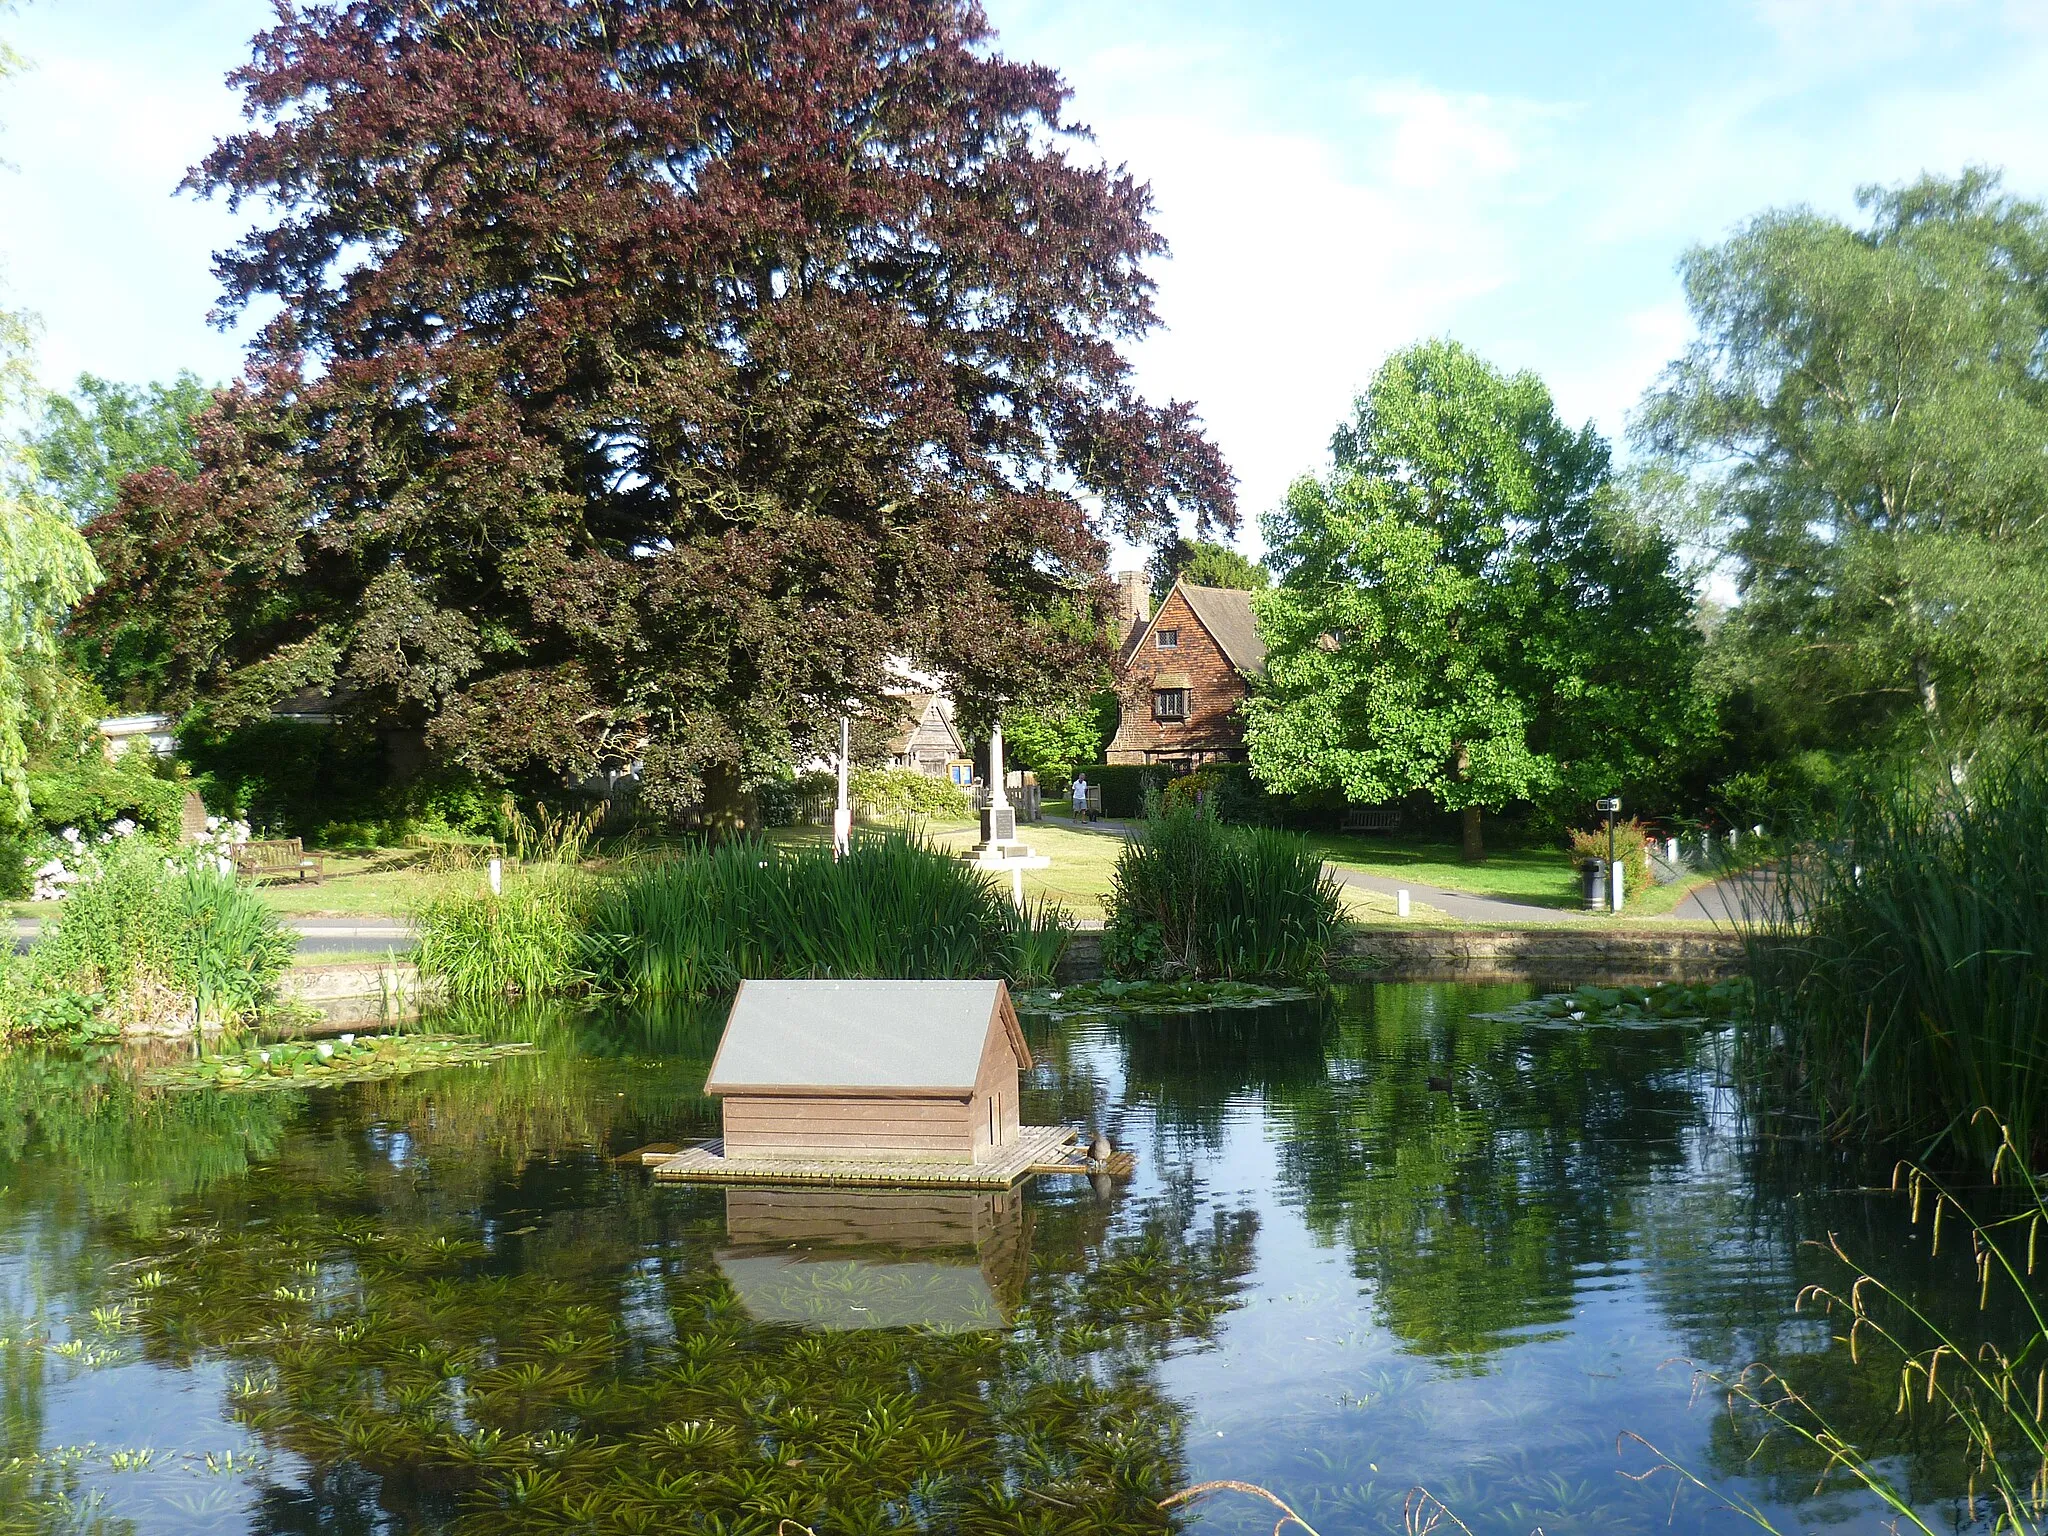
(842,814)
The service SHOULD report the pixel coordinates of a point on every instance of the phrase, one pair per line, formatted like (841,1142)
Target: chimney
(1133,602)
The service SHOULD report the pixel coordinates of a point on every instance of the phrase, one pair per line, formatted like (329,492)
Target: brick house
(1181,675)
(927,741)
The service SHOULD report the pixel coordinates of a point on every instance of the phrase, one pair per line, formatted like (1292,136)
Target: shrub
(93,794)
(1899,985)
(156,943)
(1227,791)
(1631,847)
(897,794)
(695,925)
(1193,897)
(789,802)
(332,784)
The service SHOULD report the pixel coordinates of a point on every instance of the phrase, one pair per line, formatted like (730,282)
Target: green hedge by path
(1122,785)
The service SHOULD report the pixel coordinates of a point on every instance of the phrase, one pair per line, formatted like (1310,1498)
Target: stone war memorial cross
(999,850)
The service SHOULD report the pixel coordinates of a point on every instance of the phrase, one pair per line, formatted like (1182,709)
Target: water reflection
(877,1258)
(438,1304)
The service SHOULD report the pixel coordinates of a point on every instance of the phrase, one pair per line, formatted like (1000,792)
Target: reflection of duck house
(928,1258)
(872,1082)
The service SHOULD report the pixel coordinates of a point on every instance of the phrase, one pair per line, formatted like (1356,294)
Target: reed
(1991,1394)
(1898,962)
(526,943)
(1193,897)
(895,906)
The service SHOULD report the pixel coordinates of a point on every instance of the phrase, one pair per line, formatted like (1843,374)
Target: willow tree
(1867,410)
(648,381)
(45,567)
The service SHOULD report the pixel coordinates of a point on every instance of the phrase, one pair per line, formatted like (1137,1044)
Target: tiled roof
(1227,614)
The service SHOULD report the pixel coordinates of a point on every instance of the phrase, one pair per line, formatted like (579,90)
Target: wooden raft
(1037,1149)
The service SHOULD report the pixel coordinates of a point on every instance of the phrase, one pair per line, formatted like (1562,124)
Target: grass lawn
(1540,876)
(380,884)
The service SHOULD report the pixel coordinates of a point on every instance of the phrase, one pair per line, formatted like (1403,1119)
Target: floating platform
(1037,1149)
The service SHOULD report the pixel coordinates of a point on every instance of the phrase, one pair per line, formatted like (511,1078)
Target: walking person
(1080,798)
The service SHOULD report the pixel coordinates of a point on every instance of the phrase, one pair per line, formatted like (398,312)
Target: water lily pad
(289,1064)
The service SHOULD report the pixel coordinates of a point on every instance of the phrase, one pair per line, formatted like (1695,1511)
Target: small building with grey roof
(852,1069)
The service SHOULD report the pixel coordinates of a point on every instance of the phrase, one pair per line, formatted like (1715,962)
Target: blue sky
(1337,179)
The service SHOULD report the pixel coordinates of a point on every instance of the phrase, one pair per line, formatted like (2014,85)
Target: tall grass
(694,924)
(1193,897)
(895,906)
(1901,969)
(527,942)
(1991,1393)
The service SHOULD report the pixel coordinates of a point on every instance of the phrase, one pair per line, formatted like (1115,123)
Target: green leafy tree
(1060,739)
(1465,609)
(1865,409)
(88,444)
(1205,563)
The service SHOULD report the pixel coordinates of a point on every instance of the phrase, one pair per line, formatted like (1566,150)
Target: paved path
(1466,906)
(1733,899)
(316,935)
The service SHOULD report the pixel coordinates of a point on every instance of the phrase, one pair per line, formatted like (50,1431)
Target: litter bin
(1593,884)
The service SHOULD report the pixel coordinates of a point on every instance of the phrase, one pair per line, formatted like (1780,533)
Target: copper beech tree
(645,375)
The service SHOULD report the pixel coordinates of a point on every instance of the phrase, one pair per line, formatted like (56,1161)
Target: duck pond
(1405,1237)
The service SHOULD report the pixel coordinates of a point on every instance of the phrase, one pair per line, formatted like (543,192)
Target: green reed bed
(697,923)
(1899,969)
(527,942)
(894,907)
(1193,897)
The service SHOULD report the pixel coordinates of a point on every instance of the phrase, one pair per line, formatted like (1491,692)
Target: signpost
(1612,806)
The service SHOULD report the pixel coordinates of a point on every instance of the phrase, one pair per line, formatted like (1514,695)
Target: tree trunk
(728,808)
(1471,846)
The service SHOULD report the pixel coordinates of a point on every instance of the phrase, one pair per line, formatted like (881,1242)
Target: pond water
(437,1304)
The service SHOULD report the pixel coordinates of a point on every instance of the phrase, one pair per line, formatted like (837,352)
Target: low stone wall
(1536,954)
(360,991)
(1561,955)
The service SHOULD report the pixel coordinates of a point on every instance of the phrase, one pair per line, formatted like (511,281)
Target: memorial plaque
(998,824)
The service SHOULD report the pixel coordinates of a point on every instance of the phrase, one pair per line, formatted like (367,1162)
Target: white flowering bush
(71,859)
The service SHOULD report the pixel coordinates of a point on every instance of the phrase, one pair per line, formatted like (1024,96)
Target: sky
(1337,178)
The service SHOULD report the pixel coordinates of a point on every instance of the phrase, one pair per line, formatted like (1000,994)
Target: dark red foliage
(649,373)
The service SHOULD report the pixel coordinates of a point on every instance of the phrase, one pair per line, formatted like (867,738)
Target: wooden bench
(1372,818)
(278,857)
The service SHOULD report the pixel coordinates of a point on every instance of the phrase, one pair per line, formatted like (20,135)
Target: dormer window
(1166,639)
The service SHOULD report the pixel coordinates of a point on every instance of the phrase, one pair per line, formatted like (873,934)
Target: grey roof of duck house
(1227,614)
(860,1037)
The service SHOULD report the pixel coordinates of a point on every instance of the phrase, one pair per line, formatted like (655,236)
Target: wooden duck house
(816,1071)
